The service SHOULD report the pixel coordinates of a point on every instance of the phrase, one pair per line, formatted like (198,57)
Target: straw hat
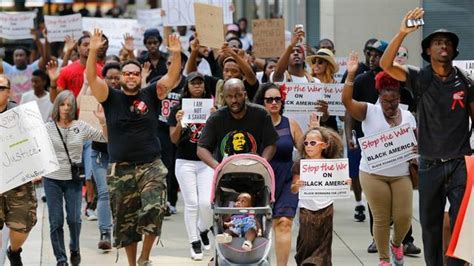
(325,54)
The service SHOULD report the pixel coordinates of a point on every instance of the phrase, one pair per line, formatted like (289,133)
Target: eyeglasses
(2,88)
(402,54)
(391,103)
(131,73)
(312,143)
(113,78)
(318,61)
(269,100)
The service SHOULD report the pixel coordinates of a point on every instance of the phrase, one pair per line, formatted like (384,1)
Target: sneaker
(205,240)
(62,263)
(372,247)
(14,257)
(196,252)
(223,238)
(105,241)
(144,263)
(90,215)
(359,214)
(173,209)
(411,249)
(75,258)
(247,245)
(384,263)
(397,254)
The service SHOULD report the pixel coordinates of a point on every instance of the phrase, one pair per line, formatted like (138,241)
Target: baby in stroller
(239,225)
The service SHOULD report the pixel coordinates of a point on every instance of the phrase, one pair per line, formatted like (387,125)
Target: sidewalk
(349,247)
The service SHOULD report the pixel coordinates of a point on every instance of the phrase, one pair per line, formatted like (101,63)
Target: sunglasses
(131,73)
(2,88)
(318,61)
(312,143)
(402,54)
(269,100)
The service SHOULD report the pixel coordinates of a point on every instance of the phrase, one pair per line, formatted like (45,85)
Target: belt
(440,160)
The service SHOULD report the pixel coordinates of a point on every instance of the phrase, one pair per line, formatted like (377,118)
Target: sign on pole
(388,148)
(209,25)
(26,150)
(60,26)
(268,37)
(324,179)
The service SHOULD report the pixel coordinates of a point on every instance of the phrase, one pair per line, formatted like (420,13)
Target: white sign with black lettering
(326,178)
(16,25)
(388,148)
(26,150)
(302,97)
(60,26)
(196,110)
(181,13)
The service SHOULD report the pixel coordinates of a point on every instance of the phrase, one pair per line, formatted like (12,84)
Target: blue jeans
(100,162)
(70,191)
(439,180)
(86,159)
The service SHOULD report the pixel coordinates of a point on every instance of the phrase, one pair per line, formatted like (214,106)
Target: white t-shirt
(44,103)
(296,79)
(204,68)
(374,123)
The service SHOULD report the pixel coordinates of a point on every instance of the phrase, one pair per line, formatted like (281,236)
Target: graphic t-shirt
(20,79)
(172,99)
(226,135)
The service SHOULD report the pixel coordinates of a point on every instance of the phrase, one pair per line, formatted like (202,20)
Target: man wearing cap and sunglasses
(445,100)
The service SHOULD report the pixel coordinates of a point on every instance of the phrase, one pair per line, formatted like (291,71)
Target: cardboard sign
(60,26)
(268,37)
(26,150)
(342,62)
(181,13)
(302,97)
(388,148)
(88,104)
(150,18)
(16,25)
(209,25)
(324,179)
(467,65)
(114,29)
(196,110)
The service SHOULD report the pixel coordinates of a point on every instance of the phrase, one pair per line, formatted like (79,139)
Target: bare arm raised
(98,86)
(165,84)
(357,110)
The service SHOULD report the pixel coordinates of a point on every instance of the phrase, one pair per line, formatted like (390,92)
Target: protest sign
(324,179)
(150,18)
(26,150)
(60,26)
(388,148)
(342,62)
(114,29)
(181,13)
(209,25)
(268,37)
(16,25)
(88,104)
(467,65)
(196,110)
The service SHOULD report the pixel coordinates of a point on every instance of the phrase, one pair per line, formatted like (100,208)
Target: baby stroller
(243,173)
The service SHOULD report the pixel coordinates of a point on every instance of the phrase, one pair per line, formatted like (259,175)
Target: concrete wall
(351,22)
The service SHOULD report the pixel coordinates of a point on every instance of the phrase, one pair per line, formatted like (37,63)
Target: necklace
(392,121)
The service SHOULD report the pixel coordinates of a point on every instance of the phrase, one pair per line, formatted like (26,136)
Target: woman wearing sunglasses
(272,98)
(324,67)
(388,191)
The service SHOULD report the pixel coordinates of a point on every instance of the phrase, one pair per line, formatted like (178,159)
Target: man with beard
(238,114)
(445,100)
(137,186)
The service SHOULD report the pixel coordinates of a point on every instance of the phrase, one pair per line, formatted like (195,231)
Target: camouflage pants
(138,200)
(18,208)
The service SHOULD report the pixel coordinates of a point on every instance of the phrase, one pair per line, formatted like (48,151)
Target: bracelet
(349,83)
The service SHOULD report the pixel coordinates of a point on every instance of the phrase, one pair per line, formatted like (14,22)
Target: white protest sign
(181,13)
(150,18)
(16,25)
(324,179)
(388,148)
(60,26)
(467,65)
(196,110)
(26,149)
(114,29)
(88,104)
(342,62)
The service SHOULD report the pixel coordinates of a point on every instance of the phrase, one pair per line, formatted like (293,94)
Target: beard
(130,90)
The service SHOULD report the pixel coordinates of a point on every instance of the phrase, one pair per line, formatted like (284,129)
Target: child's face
(314,145)
(243,201)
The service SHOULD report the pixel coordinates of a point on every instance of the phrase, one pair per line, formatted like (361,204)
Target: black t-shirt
(189,138)
(225,135)
(211,82)
(442,112)
(167,103)
(132,125)
(361,69)
(158,70)
(364,91)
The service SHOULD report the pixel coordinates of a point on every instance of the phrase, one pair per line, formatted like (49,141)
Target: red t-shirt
(71,77)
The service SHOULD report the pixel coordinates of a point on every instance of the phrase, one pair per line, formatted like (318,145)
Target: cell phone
(354,138)
(415,22)
(302,39)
